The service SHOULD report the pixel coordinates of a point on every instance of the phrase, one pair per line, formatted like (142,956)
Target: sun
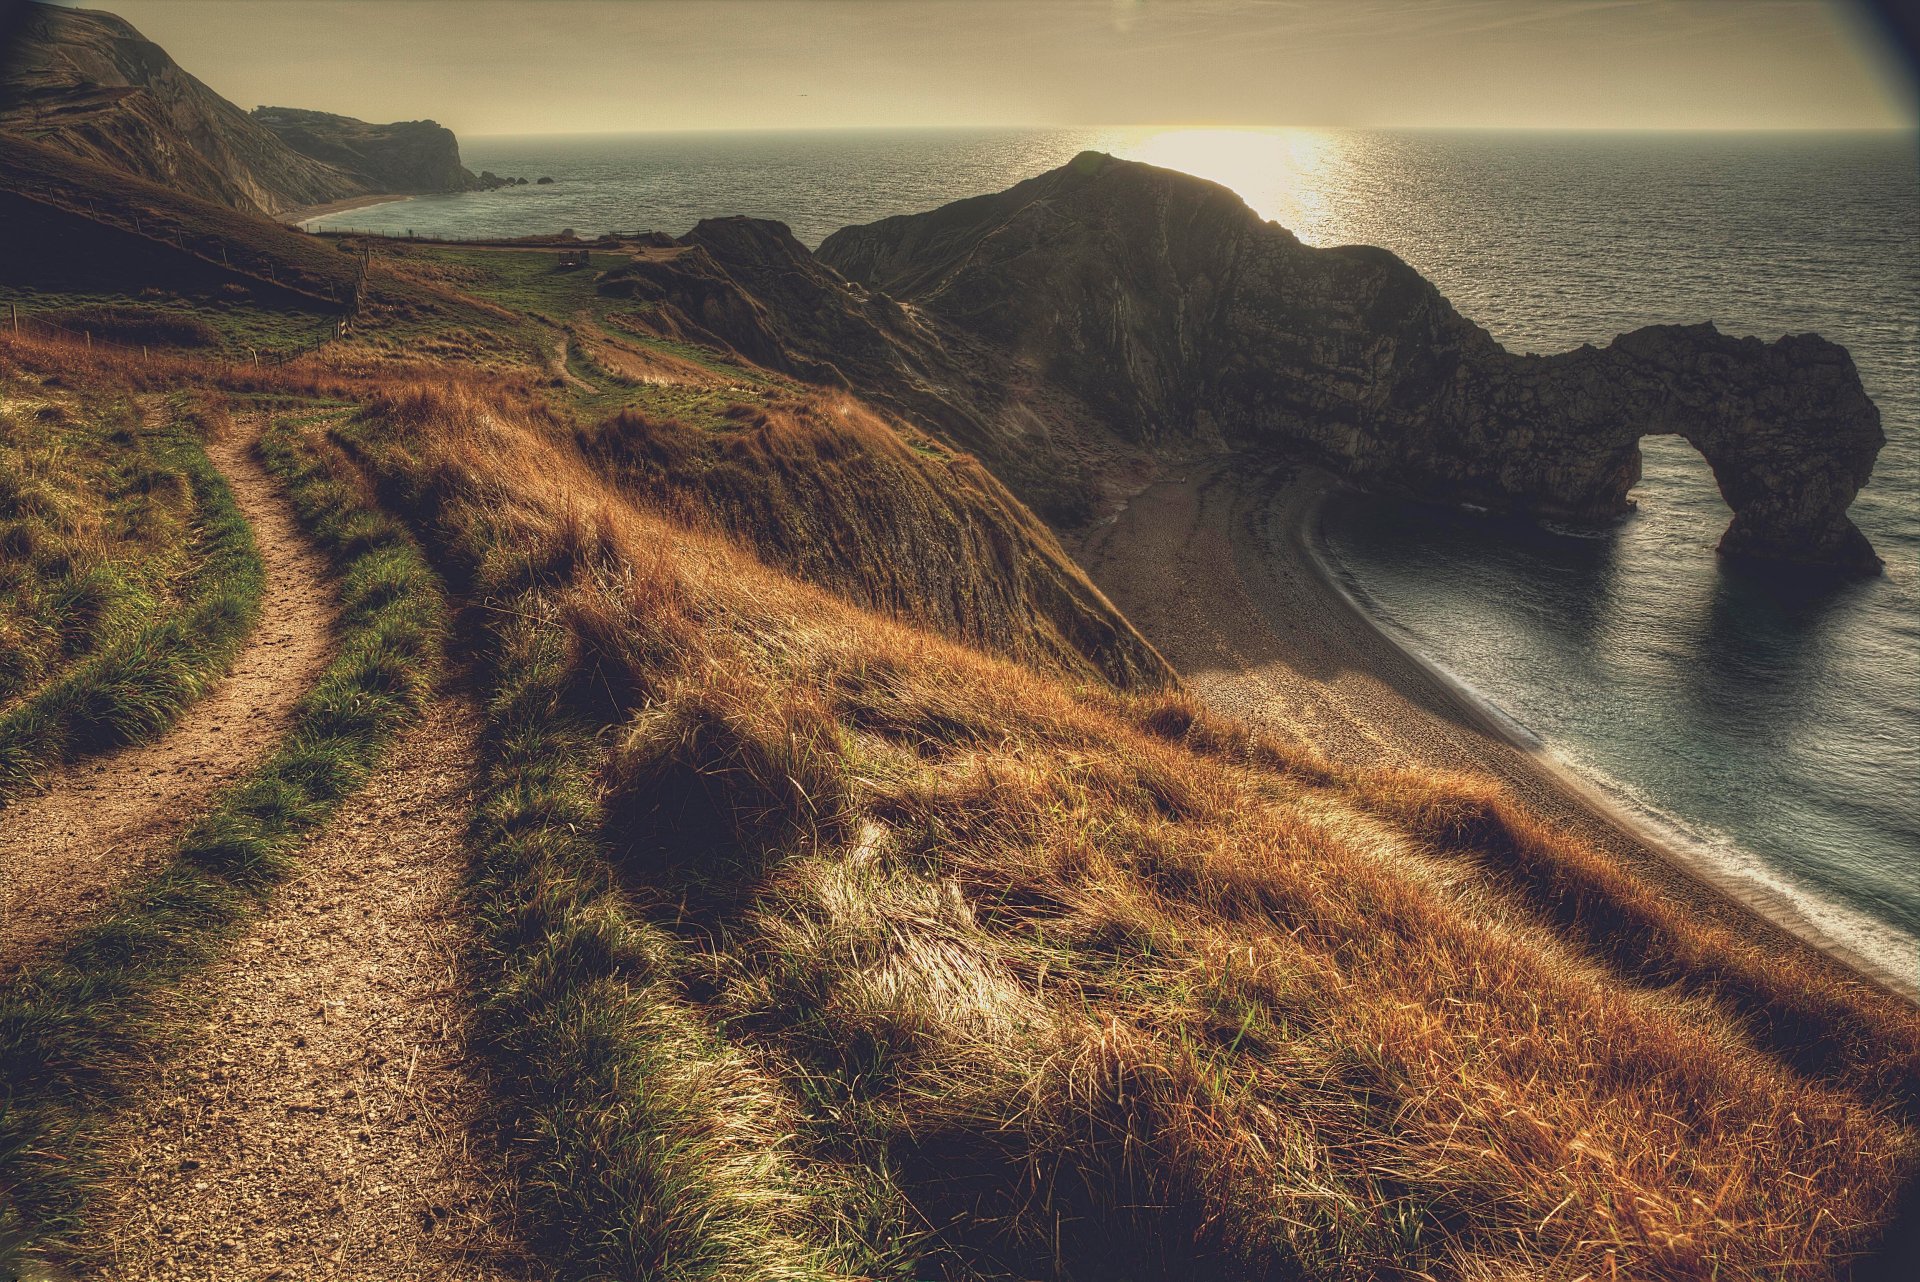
(1282,173)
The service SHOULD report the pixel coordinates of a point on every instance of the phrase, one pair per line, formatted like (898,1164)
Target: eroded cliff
(87,83)
(407,156)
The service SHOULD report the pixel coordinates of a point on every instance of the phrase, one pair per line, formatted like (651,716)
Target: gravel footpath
(327,1119)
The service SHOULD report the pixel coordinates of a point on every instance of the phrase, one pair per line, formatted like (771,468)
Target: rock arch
(1786,427)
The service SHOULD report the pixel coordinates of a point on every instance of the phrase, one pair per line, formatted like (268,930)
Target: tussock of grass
(977,976)
(654,1148)
(128,579)
(72,1031)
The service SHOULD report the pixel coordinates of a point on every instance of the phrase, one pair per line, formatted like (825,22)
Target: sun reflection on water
(1284,174)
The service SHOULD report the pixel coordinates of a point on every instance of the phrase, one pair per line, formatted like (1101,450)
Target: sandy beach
(307,213)
(1216,563)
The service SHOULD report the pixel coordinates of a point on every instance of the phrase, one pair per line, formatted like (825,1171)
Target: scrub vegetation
(128,578)
(828,946)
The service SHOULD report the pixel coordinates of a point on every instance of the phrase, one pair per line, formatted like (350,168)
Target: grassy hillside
(858,901)
(827,490)
(888,957)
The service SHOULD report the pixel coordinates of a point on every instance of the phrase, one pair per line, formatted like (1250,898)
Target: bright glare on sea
(1775,726)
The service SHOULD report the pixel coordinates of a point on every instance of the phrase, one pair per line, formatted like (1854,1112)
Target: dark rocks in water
(1173,310)
(543,182)
(406,156)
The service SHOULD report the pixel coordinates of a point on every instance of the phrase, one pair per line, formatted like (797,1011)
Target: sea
(1770,724)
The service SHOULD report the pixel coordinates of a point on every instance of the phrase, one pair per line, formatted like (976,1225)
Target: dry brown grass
(819,485)
(1006,979)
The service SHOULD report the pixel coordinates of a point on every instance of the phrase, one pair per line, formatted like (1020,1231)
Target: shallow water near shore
(1772,724)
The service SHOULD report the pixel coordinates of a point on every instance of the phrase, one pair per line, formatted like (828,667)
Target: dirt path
(105,820)
(1213,566)
(325,1122)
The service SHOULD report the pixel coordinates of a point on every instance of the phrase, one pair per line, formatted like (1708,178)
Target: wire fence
(208,248)
(25,324)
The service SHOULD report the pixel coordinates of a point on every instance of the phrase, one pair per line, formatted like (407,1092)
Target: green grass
(124,647)
(521,280)
(244,326)
(647,1145)
(73,1031)
(560,304)
(651,1148)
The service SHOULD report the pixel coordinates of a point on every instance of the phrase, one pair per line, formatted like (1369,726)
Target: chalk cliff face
(88,84)
(1173,310)
(408,156)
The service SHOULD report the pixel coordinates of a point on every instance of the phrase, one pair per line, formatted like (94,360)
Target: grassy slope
(890,957)
(128,578)
(816,482)
(74,1031)
(825,945)
(110,201)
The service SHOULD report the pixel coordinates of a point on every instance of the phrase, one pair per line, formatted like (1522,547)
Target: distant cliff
(87,83)
(1173,310)
(409,156)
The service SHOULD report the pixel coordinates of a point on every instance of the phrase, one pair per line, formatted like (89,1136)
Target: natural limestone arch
(1786,428)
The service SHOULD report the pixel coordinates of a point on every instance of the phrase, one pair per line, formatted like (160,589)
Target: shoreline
(1222,567)
(307,213)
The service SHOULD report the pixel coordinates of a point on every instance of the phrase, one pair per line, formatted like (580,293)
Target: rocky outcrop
(88,84)
(1173,310)
(409,156)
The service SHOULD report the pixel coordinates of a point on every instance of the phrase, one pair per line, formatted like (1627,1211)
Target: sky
(593,66)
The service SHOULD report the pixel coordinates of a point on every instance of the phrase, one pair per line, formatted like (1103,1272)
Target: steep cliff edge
(87,83)
(407,156)
(1172,309)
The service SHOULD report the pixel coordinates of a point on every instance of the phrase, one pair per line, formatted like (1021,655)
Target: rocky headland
(1178,315)
(406,157)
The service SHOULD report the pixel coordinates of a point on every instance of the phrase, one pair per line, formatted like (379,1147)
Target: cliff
(1174,311)
(408,156)
(87,83)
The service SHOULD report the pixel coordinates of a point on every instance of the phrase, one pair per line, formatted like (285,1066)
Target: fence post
(13,311)
(89,340)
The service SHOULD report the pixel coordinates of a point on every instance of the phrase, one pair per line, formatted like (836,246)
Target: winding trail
(325,1117)
(101,822)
